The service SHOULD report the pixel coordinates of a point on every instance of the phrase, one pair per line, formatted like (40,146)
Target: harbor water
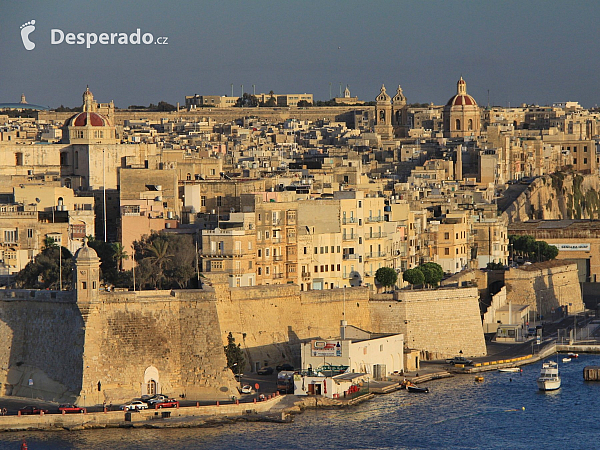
(506,410)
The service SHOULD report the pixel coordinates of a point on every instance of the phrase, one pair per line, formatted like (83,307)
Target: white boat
(549,380)
(510,369)
(573,355)
(566,359)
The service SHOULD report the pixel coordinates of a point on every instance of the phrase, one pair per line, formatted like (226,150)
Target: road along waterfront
(457,413)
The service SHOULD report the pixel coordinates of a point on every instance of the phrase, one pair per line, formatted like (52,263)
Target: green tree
(433,273)
(386,276)
(235,355)
(44,271)
(159,255)
(119,254)
(304,104)
(494,266)
(414,276)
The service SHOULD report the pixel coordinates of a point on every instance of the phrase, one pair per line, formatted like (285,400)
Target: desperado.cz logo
(58,36)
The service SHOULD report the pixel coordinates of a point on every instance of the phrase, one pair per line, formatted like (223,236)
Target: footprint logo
(26,30)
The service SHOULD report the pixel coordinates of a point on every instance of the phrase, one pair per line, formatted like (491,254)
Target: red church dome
(84,118)
(462,100)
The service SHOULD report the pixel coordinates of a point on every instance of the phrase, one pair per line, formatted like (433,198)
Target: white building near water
(358,350)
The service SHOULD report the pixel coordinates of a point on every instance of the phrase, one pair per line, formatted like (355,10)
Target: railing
(305,275)
(375,255)
(374,219)
(346,221)
(278,275)
(276,240)
(378,235)
(277,257)
(349,256)
(352,237)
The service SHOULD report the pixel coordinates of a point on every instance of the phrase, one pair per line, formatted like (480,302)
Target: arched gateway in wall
(151,383)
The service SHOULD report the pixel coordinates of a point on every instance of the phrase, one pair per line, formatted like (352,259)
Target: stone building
(91,346)
(461,114)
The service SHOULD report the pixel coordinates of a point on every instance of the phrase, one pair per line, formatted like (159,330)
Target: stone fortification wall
(545,286)
(270,321)
(557,196)
(439,322)
(171,336)
(333,113)
(41,339)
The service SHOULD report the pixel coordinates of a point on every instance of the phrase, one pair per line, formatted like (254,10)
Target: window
(219,201)
(585,160)
(249,264)
(338,249)
(338,267)
(316,268)
(267,252)
(203,201)
(470,124)
(29,232)
(446,236)
(316,250)
(446,251)
(359,204)
(574,160)
(188,177)
(322,269)
(267,270)
(332,249)
(84,285)
(11,235)
(457,124)
(267,234)
(585,149)
(18,159)
(332,267)
(259,253)
(326,249)
(305,250)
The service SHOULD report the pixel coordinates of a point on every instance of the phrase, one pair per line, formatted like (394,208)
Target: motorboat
(573,355)
(549,379)
(510,369)
(566,359)
(416,389)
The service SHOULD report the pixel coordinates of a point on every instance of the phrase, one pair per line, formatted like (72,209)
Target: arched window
(458,124)
(260,271)
(189,177)
(470,124)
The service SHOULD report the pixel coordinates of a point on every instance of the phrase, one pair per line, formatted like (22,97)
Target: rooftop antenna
(488,99)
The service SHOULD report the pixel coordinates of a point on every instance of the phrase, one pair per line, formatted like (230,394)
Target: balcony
(276,240)
(277,257)
(351,237)
(373,255)
(305,275)
(346,221)
(349,256)
(378,235)
(374,219)
(278,275)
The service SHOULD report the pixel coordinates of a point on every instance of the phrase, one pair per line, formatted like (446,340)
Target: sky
(512,52)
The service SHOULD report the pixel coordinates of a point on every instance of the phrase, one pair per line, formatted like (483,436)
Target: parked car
(157,399)
(284,366)
(68,408)
(265,371)
(29,410)
(135,405)
(459,360)
(168,403)
(246,389)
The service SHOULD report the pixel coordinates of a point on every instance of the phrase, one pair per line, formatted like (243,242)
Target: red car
(70,409)
(29,410)
(170,403)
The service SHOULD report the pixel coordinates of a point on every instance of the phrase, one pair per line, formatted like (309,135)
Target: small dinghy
(417,389)
(510,369)
(566,359)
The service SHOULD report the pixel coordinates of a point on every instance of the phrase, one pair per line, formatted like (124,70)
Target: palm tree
(119,254)
(159,256)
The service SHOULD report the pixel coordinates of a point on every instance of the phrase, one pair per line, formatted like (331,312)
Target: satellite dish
(37,200)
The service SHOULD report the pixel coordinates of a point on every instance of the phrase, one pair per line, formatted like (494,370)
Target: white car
(135,405)
(246,389)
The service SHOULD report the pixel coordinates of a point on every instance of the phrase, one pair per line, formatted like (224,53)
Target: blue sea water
(458,413)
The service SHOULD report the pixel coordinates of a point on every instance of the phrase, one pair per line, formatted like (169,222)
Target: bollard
(63,412)
(254,402)
(237,402)
(156,406)
(197,404)
(19,413)
(177,405)
(104,410)
(217,403)
(41,412)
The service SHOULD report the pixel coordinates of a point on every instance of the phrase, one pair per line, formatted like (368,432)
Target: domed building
(89,126)
(461,114)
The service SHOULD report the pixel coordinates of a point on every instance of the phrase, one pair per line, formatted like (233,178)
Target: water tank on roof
(167,225)
(169,214)
(158,187)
